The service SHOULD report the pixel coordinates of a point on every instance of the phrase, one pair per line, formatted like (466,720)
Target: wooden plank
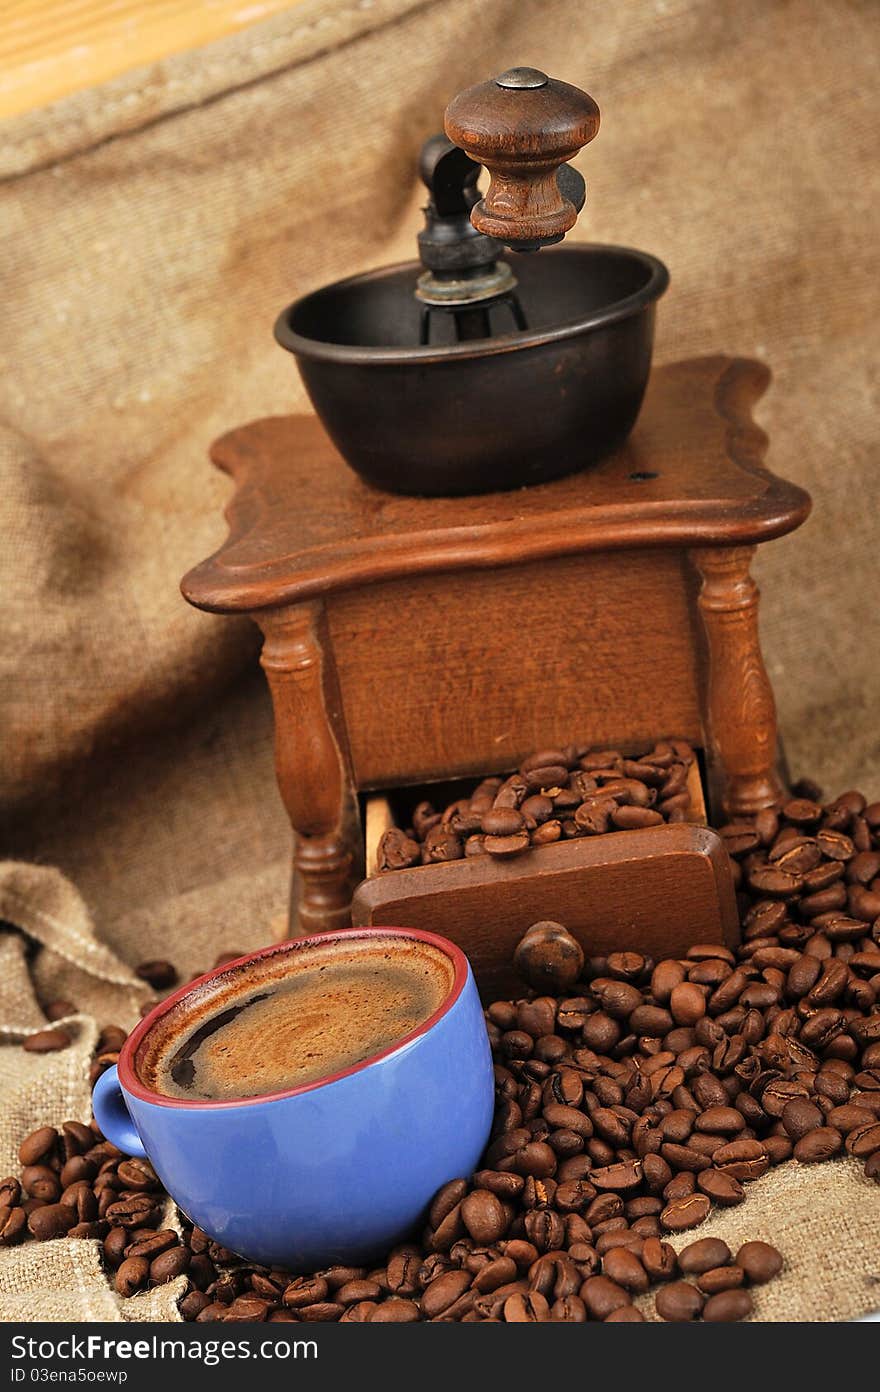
(51,48)
(697,809)
(378,819)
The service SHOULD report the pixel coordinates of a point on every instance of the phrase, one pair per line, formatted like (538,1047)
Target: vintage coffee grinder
(414,635)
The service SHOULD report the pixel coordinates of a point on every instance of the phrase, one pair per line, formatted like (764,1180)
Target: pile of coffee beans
(556,794)
(469,1266)
(719,1293)
(632,1096)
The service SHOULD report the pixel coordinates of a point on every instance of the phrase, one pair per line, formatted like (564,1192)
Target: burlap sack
(150,232)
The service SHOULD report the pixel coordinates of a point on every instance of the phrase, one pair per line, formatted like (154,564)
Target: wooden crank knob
(523,126)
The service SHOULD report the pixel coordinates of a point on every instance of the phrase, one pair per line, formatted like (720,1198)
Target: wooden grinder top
(302,524)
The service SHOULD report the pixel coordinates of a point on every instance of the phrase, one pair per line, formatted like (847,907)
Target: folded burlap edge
(147,94)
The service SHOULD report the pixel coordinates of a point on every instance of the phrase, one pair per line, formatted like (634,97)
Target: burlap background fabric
(150,232)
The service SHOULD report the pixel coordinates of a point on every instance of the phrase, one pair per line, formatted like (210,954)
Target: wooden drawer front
(455,674)
(656,891)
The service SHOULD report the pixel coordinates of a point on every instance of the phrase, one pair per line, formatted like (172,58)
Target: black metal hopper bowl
(465,372)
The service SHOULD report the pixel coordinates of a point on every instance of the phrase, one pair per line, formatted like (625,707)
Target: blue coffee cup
(333,1171)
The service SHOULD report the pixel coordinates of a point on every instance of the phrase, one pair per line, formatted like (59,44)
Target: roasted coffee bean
(631,818)
(498,1272)
(872,1166)
(721,1187)
(110,1040)
(778,1148)
(721,1121)
(325,1312)
(622,1266)
(132,1212)
(720,1278)
(396,1311)
(402,1271)
(158,974)
(684,1213)
(359,1291)
(484,1216)
(503,847)
(687,1003)
(601,1296)
(442,844)
(659,1260)
(138,1174)
(502,821)
(397,851)
(864,1140)
(818,1145)
(152,1245)
(680,1186)
(13,1225)
(38,1146)
(168,1265)
(115,1244)
(760,1261)
(570,1309)
(59,1010)
(78,1167)
(443,1291)
(544,1229)
(250,1309)
(702,1255)
(51,1220)
(621,1178)
(848,1117)
(47,1041)
(211,1312)
(529,1307)
(81,1198)
(726,1306)
(448,1232)
(742,1159)
(192,1304)
(616,1233)
(445,1200)
(41,1182)
(683,1158)
(132,1275)
(10,1191)
(304,1291)
(679,1302)
(776,1096)
(800,1117)
(611,1127)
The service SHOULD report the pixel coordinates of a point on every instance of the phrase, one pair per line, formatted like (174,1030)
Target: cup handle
(113,1116)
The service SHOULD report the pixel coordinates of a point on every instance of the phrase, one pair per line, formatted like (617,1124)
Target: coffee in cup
(289,1020)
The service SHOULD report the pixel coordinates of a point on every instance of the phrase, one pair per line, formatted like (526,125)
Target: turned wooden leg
(312,767)
(740,710)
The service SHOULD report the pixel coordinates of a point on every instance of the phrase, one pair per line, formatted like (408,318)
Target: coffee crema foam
(294,1017)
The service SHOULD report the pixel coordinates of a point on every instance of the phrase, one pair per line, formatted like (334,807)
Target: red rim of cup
(132,1084)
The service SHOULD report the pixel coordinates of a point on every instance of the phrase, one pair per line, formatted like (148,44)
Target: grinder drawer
(659,890)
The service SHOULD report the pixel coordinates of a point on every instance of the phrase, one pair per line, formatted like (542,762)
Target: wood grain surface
(301,523)
(472,671)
